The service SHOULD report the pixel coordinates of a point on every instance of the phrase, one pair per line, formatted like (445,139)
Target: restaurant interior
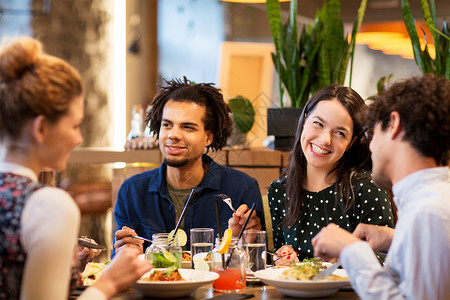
(124,49)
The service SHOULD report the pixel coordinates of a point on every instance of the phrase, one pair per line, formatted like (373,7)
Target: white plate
(173,289)
(297,288)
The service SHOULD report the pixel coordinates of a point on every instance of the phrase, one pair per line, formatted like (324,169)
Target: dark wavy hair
(217,117)
(355,159)
(423,103)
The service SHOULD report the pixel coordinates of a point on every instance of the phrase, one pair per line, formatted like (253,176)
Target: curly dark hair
(217,117)
(423,103)
(354,160)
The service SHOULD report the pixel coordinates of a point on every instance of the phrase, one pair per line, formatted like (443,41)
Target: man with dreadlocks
(187,118)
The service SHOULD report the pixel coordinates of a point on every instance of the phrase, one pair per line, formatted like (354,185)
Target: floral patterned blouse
(371,206)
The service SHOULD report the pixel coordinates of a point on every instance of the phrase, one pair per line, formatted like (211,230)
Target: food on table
(226,241)
(186,256)
(307,270)
(180,238)
(164,275)
(92,272)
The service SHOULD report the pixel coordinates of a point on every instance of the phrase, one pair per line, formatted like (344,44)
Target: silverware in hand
(84,243)
(227,200)
(141,238)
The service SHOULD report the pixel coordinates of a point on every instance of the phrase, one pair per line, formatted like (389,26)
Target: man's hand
(331,240)
(378,237)
(123,239)
(285,256)
(236,222)
(84,255)
(124,270)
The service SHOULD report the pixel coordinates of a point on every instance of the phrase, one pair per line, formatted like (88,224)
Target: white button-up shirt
(418,262)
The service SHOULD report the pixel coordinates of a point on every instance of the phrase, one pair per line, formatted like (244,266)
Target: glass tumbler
(255,249)
(202,241)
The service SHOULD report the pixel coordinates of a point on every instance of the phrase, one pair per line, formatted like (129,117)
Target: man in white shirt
(410,153)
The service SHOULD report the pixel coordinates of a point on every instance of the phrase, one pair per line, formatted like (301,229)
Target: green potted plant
(307,63)
(440,65)
(243,115)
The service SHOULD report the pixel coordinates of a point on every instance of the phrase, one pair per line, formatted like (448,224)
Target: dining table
(259,290)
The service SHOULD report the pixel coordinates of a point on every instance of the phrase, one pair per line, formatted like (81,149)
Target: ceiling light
(392,38)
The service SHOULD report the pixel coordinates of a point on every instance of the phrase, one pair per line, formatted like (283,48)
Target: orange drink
(229,261)
(229,280)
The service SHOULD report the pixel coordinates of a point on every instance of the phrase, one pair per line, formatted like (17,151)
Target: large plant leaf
(444,44)
(319,57)
(355,29)
(274,16)
(243,113)
(410,24)
(334,35)
(430,19)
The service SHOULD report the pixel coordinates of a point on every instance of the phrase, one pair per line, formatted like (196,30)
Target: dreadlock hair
(217,116)
(355,159)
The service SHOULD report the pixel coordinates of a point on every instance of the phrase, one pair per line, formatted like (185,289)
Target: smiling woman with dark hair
(326,179)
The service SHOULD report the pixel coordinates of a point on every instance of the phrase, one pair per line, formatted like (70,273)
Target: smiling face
(327,134)
(60,138)
(182,136)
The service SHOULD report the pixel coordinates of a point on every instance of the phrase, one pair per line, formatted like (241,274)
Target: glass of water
(255,249)
(202,240)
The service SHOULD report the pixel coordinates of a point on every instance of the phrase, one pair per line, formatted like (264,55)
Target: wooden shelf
(106,155)
(263,164)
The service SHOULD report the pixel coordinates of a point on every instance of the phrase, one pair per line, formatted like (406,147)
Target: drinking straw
(246,221)
(242,231)
(181,216)
(219,228)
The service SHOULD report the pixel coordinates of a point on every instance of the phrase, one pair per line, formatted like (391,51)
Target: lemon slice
(169,256)
(226,241)
(200,264)
(180,238)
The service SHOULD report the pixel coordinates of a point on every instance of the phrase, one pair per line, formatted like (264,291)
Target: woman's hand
(83,255)
(122,272)
(285,256)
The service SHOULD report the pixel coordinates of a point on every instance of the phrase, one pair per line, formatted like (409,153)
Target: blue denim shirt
(144,204)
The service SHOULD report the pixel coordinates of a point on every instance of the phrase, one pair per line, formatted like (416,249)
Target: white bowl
(297,288)
(172,289)
(186,264)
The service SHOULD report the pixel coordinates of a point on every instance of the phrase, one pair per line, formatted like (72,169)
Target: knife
(87,244)
(327,271)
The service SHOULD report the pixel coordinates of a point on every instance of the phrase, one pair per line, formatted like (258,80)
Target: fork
(227,200)
(141,238)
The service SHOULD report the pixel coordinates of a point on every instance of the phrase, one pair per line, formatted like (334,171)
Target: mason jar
(160,254)
(230,267)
